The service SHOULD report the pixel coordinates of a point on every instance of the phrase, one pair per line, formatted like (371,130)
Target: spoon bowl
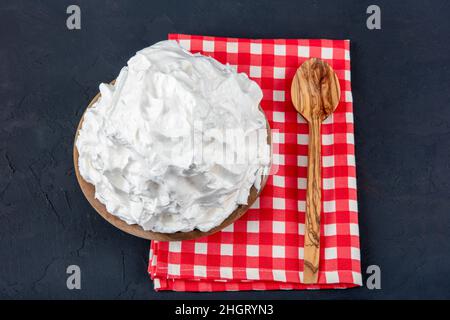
(315,90)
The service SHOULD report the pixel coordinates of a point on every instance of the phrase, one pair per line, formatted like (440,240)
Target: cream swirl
(151,145)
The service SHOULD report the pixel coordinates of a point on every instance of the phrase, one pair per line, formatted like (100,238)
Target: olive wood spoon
(315,94)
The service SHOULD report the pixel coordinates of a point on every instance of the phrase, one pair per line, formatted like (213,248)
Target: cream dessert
(176,143)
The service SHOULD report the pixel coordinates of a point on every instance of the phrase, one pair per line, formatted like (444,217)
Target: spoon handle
(313,204)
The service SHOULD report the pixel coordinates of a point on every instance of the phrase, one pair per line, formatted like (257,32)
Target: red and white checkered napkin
(264,249)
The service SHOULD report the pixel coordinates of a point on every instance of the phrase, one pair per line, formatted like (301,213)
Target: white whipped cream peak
(176,143)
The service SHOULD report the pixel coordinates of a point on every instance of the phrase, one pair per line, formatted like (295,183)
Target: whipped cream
(176,143)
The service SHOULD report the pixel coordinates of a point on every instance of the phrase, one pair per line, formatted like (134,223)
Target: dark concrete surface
(48,75)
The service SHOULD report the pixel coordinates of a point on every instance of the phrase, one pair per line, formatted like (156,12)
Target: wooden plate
(136,230)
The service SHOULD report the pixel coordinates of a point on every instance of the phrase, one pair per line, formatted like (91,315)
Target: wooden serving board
(136,230)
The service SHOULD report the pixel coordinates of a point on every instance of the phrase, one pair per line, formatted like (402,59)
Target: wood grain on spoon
(315,94)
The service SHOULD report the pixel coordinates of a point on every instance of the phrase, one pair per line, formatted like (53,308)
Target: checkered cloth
(264,249)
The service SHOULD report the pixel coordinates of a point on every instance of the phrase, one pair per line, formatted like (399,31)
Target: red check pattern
(264,249)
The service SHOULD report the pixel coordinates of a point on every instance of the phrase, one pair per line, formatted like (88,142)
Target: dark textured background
(48,75)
